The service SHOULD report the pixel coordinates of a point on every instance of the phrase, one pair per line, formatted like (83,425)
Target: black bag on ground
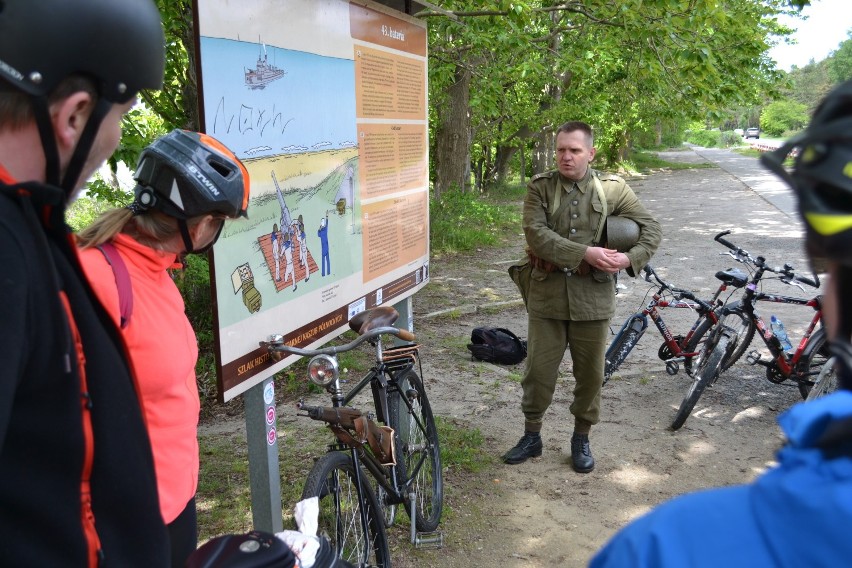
(497,345)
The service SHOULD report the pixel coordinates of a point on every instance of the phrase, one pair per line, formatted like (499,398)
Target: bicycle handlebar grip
(718,238)
(808,281)
(406,335)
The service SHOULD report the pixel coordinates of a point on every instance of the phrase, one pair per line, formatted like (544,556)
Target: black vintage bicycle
(394,444)
(802,365)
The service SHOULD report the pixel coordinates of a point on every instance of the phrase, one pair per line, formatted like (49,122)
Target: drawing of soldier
(276,254)
(303,247)
(322,233)
(288,260)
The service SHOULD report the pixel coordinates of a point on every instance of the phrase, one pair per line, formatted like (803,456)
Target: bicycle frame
(784,363)
(673,350)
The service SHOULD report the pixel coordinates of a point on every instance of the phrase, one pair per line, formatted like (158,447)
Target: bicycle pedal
(429,540)
(753,358)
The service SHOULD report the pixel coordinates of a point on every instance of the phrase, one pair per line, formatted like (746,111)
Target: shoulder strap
(122,281)
(604,212)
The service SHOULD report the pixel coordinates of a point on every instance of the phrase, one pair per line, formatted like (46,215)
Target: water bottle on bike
(780,332)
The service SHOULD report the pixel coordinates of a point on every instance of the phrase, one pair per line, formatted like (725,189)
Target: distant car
(739,131)
(752,133)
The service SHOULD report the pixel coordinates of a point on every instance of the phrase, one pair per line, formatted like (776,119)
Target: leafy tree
(840,62)
(781,117)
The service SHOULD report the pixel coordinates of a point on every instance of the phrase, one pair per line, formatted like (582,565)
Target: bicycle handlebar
(275,343)
(787,273)
(679,293)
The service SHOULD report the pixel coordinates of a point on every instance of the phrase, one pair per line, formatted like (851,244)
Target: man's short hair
(574,125)
(16,108)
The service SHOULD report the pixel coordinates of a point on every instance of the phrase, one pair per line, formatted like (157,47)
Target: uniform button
(575,202)
(574,215)
(565,269)
(573,231)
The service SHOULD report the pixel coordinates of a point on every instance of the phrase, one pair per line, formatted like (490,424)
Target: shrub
(705,138)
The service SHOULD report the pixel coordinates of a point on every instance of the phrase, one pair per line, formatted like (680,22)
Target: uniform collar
(582,184)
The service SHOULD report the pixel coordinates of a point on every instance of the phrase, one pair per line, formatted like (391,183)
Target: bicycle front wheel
(620,348)
(742,329)
(709,368)
(341,506)
(814,372)
(419,465)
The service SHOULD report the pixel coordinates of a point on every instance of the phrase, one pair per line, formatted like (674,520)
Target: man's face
(573,154)
(106,141)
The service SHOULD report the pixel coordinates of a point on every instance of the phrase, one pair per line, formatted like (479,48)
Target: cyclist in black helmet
(77,484)
(188,184)
(798,513)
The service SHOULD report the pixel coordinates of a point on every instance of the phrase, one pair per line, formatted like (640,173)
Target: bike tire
(826,382)
(418,450)
(738,321)
(618,351)
(332,479)
(814,360)
(706,372)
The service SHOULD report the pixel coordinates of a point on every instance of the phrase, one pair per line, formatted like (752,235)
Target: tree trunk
(523,166)
(453,137)
(658,131)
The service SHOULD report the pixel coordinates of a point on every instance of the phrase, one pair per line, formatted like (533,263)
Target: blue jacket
(796,514)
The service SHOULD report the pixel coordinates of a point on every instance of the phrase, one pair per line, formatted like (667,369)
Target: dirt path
(541,513)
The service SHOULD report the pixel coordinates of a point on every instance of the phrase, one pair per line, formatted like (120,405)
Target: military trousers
(547,340)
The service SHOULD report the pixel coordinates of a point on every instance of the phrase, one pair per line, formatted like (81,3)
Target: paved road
(750,172)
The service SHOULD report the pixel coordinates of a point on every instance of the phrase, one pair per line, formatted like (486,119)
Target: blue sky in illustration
(310,108)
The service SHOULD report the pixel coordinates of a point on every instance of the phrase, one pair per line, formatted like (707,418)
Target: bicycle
(396,444)
(826,381)
(800,365)
(676,349)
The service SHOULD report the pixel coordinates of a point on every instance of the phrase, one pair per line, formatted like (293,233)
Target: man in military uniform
(570,284)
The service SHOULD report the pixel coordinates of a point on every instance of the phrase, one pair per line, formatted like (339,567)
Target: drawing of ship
(264,73)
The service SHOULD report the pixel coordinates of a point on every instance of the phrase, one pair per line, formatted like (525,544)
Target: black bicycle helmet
(118,44)
(188,174)
(822,176)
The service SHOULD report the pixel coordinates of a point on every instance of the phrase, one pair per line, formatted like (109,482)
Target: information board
(325,103)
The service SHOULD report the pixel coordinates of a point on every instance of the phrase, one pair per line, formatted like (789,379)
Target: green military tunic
(561,218)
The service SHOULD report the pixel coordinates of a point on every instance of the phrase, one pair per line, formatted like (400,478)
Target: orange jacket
(163,351)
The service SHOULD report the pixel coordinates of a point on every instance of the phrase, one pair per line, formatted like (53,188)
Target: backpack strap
(122,281)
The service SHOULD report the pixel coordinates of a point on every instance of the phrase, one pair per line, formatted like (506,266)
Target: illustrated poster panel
(325,103)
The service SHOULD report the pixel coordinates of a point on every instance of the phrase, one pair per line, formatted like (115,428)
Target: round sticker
(270,415)
(269,393)
(271,436)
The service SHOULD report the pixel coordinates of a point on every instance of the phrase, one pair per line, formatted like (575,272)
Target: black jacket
(42,438)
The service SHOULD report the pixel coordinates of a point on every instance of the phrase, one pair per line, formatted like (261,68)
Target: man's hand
(607,260)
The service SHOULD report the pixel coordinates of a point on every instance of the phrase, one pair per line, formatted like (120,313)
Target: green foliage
(730,138)
(840,62)
(194,285)
(781,117)
(461,221)
(705,138)
(84,210)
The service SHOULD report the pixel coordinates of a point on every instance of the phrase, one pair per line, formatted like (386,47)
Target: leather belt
(583,269)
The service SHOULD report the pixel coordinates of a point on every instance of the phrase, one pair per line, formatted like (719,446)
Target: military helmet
(117,43)
(621,233)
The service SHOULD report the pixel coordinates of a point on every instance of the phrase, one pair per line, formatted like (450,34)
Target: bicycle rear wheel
(419,459)
(333,480)
(814,361)
(708,369)
(742,328)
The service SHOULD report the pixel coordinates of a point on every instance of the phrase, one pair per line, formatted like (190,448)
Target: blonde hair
(150,228)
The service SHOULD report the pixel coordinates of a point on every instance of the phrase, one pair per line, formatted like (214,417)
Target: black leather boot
(529,446)
(581,453)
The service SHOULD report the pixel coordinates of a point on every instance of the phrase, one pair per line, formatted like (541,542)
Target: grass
(461,447)
(463,221)
(646,161)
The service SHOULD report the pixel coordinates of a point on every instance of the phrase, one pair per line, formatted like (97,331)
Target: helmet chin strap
(41,110)
(187,238)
